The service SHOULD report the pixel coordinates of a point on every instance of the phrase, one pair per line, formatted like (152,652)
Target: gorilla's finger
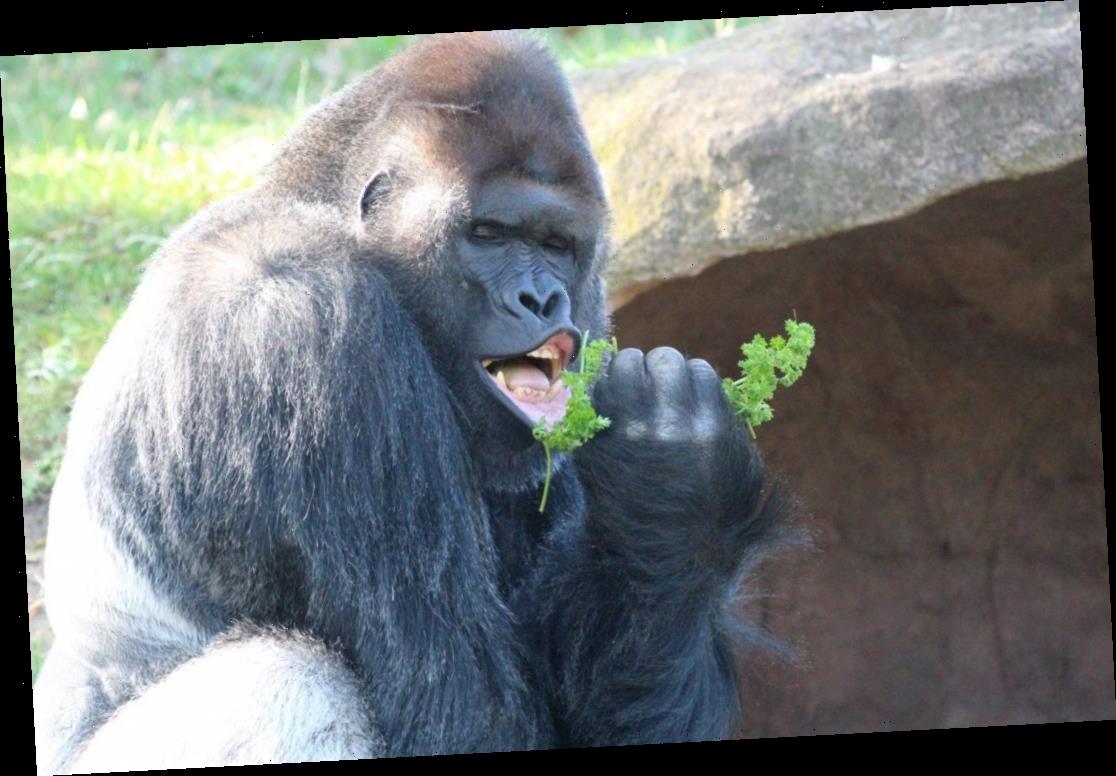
(666,368)
(710,409)
(666,362)
(704,380)
(626,365)
(623,385)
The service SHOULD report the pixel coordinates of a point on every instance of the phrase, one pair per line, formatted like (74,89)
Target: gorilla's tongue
(520,374)
(531,390)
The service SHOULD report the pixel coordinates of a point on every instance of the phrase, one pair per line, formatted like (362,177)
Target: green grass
(106,152)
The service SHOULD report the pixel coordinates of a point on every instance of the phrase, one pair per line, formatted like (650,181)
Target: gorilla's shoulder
(252,246)
(256,235)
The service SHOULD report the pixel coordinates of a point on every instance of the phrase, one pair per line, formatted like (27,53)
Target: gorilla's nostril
(530,302)
(551,304)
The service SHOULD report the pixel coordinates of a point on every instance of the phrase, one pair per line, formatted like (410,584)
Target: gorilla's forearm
(630,662)
(633,596)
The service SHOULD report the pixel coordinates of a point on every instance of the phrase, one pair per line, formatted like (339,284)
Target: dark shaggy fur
(275,445)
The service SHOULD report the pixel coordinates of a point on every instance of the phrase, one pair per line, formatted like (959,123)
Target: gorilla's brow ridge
(472,108)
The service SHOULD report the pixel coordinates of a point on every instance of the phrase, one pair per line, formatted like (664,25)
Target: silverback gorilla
(297,517)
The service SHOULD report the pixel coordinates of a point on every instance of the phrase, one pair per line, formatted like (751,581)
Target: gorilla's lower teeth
(528,393)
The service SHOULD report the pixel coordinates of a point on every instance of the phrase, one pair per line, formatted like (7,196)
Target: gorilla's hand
(676,471)
(663,399)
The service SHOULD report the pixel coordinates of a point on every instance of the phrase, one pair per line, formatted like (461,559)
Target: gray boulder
(807,126)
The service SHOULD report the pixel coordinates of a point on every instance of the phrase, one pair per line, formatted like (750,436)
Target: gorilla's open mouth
(531,382)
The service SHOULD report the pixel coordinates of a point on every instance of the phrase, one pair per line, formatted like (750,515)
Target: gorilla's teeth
(500,379)
(546,351)
(487,362)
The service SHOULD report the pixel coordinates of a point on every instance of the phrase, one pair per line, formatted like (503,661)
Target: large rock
(807,126)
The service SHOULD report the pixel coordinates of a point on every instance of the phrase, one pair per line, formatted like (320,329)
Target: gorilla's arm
(634,601)
(285,452)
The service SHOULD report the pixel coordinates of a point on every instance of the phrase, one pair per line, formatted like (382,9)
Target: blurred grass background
(106,152)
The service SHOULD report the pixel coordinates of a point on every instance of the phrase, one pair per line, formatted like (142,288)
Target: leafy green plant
(766,365)
(581,422)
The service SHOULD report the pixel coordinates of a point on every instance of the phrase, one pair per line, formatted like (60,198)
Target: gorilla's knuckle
(700,366)
(665,354)
(628,363)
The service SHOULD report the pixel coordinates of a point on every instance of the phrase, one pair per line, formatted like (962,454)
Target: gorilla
(297,517)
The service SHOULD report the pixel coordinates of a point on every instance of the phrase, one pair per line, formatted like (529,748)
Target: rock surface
(806,126)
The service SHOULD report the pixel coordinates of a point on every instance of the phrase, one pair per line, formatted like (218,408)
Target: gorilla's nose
(550,304)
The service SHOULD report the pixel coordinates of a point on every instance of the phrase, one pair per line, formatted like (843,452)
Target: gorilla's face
(483,204)
(518,254)
(497,285)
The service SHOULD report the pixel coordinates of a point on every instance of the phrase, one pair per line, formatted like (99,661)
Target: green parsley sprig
(762,359)
(581,421)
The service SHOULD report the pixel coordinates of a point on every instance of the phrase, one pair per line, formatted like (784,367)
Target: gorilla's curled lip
(529,383)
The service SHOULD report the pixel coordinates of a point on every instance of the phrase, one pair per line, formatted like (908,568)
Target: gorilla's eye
(557,243)
(486,231)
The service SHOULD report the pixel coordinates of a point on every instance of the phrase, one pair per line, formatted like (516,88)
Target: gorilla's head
(469,179)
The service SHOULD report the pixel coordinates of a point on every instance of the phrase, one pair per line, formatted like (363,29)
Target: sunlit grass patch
(83,222)
(609,44)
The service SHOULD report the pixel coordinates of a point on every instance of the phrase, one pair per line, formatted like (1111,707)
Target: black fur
(280,434)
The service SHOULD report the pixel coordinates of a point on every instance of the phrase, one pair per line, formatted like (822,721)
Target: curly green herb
(581,421)
(762,359)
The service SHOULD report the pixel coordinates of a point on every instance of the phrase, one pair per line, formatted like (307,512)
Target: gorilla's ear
(374,191)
